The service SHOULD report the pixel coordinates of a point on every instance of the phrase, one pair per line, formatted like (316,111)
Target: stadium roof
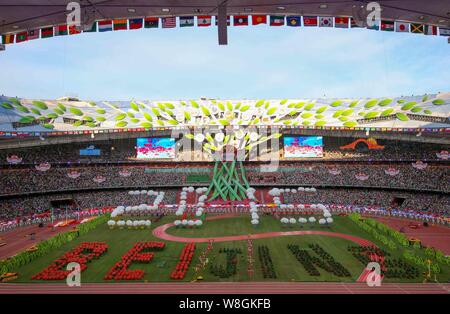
(26,115)
(16,15)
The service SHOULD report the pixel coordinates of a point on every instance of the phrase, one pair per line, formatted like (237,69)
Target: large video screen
(155,148)
(303,146)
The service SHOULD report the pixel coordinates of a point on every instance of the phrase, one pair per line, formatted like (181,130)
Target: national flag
(375,25)
(341,22)
(417,28)
(33,34)
(74,29)
(276,20)
(21,37)
(186,21)
(92,29)
(204,20)
(61,30)
(402,27)
(259,19)
(429,30)
(135,23)
(105,26)
(444,31)
(387,26)
(293,21)
(8,39)
(120,25)
(46,32)
(240,20)
(228,20)
(169,22)
(310,21)
(325,21)
(151,22)
(353,24)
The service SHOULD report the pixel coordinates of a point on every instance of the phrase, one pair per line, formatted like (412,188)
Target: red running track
(160,232)
(226,288)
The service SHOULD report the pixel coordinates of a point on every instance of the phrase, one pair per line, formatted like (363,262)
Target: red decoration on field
(82,254)
(183,265)
(139,253)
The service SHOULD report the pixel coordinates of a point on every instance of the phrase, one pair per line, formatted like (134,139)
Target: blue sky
(259,62)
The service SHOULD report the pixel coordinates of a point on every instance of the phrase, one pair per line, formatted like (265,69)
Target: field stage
(285,265)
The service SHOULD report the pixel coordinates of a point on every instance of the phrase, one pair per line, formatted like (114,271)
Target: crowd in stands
(434,177)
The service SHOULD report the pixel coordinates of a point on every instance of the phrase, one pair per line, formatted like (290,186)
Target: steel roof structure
(17,15)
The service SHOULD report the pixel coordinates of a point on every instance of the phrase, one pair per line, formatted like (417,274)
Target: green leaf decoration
(121,124)
(183,103)
(306,115)
(40,104)
(172,122)
(189,136)
(439,102)
(77,123)
(256,121)
(320,123)
(7,105)
(224,122)
(293,112)
(427,111)
(42,118)
(187,116)
(58,111)
(276,120)
(266,106)
(336,103)
(309,106)
(48,126)
(100,119)
(169,105)
(416,109)
(161,106)
(147,116)
(52,116)
(244,108)
(371,103)
(409,105)
(27,119)
(306,122)
(226,139)
(100,111)
(221,106)
(347,112)
(209,138)
(287,122)
(353,103)
(371,114)
(15,101)
(425,98)
(88,118)
(133,106)
(387,112)
(91,124)
(277,135)
(342,118)
(238,105)
(362,113)
(160,122)
(350,124)
(156,112)
(195,104)
(259,103)
(385,102)
(205,111)
(299,105)
(283,101)
(92,104)
(321,109)
(76,111)
(146,124)
(271,111)
(114,106)
(23,109)
(319,116)
(130,114)
(120,116)
(402,116)
(401,101)
(35,111)
(337,113)
(229,106)
(135,120)
(62,107)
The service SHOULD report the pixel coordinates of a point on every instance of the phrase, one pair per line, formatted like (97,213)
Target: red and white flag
(431,30)
(169,22)
(204,20)
(402,27)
